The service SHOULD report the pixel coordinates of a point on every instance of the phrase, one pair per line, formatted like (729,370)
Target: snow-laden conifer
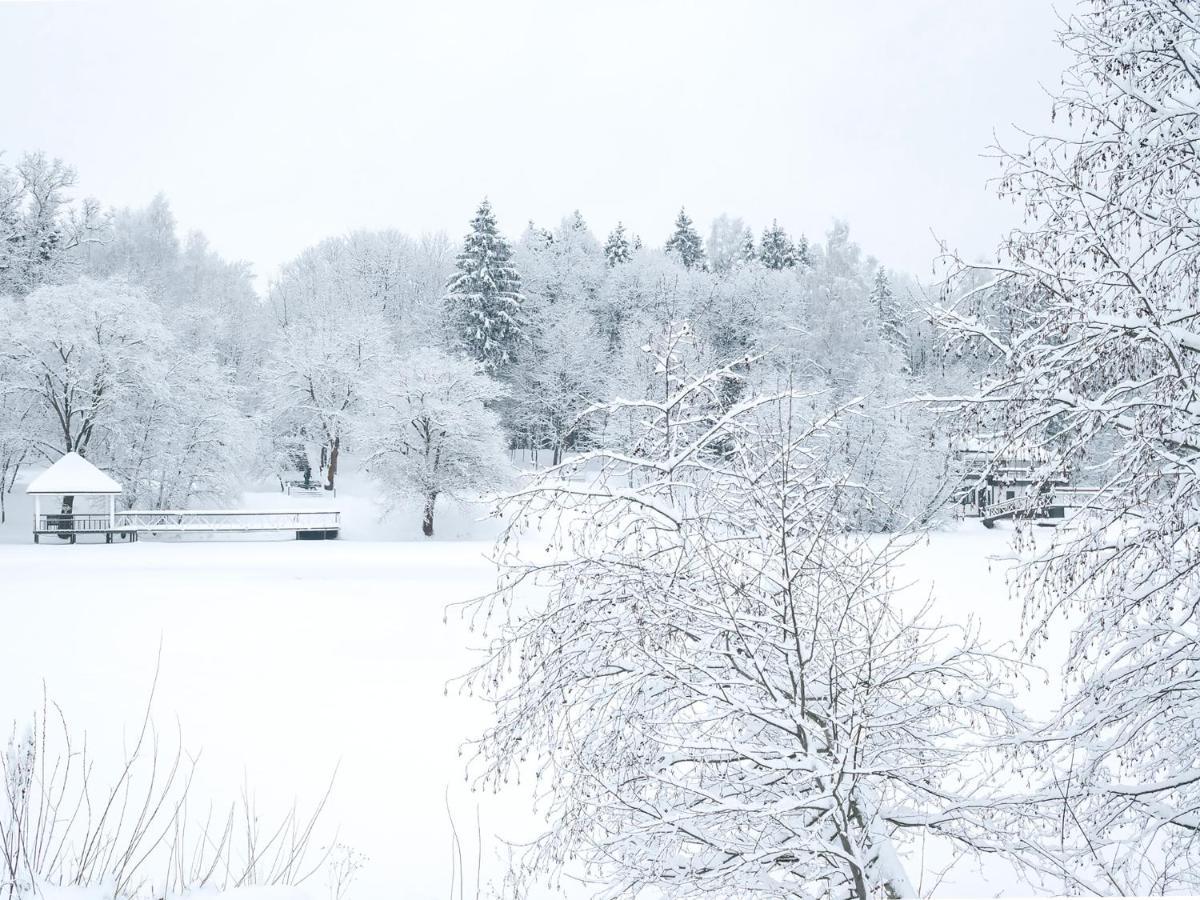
(483,296)
(685,243)
(776,250)
(617,249)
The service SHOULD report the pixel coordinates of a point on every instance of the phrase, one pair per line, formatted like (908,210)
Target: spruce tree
(685,244)
(483,296)
(746,253)
(890,320)
(617,249)
(576,222)
(776,249)
(803,253)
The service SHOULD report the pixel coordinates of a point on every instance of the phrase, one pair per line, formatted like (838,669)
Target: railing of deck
(83,523)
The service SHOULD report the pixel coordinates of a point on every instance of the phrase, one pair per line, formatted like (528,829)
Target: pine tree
(538,237)
(746,254)
(576,222)
(483,296)
(685,244)
(890,321)
(803,253)
(617,249)
(776,249)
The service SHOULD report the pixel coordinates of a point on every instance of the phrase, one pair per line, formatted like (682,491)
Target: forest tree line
(156,358)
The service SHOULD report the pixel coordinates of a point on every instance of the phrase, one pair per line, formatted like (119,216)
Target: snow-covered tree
(709,676)
(39,227)
(80,350)
(617,249)
(318,375)
(565,375)
(566,269)
(483,296)
(725,242)
(183,437)
(747,253)
(776,250)
(685,243)
(142,246)
(92,369)
(431,432)
(887,308)
(559,373)
(15,437)
(1101,376)
(803,252)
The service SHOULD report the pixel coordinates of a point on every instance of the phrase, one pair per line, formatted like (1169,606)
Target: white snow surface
(283,660)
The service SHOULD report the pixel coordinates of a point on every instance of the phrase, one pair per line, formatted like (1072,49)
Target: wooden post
(37,515)
(112,512)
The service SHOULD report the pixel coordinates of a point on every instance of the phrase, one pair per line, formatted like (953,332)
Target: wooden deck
(69,527)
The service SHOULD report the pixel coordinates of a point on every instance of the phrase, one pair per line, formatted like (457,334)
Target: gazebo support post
(37,515)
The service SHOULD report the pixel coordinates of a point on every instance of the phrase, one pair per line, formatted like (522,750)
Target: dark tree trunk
(331,472)
(427,520)
(68,509)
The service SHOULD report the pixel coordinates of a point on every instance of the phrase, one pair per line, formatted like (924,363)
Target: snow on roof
(73,475)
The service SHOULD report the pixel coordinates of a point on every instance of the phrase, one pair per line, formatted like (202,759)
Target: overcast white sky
(271,125)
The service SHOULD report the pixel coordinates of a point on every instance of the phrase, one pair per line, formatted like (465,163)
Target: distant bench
(308,488)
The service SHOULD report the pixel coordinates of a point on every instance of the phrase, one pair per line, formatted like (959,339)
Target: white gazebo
(74,476)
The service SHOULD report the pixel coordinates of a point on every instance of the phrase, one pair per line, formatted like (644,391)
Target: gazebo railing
(79,523)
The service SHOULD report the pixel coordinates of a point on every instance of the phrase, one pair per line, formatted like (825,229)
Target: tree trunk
(331,472)
(68,509)
(427,521)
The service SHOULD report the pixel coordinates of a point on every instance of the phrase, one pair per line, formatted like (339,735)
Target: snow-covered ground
(282,660)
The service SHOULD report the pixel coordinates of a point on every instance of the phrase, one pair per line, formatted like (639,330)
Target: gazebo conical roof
(73,475)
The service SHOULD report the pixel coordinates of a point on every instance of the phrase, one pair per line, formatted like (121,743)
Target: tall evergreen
(685,244)
(803,252)
(891,325)
(746,252)
(617,249)
(776,249)
(576,221)
(483,296)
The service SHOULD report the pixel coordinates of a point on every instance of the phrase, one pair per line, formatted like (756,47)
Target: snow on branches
(1092,320)
(706,673)
(431,432)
